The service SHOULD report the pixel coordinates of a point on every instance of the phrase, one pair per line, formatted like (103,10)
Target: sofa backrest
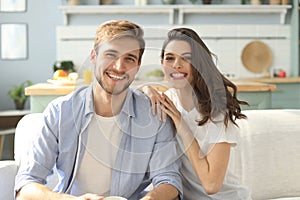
(25,132)
(267,157)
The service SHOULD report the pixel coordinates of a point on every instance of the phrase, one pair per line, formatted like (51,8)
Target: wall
(42,17)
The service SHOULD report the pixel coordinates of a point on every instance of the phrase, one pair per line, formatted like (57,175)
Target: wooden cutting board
(256,57)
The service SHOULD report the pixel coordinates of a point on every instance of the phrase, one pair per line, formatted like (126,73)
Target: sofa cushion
(8,170)
(267,157)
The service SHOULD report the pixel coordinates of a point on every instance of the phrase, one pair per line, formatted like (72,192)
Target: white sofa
(267,158)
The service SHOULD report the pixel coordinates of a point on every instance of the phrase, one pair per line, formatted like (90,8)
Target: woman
(203,106)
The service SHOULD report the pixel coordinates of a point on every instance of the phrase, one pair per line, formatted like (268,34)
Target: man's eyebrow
(117,52)
(111,50)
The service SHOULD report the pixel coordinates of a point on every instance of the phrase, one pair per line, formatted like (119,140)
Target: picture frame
(13,5)
(14,41)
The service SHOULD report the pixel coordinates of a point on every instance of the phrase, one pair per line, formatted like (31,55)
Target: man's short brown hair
(118,29)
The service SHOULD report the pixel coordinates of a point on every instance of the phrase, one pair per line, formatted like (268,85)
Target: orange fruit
(60,74)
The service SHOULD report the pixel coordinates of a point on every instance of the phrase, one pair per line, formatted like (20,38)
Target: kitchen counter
(287,94)
(51,89)
(257,94)
(248,86)
(272,80)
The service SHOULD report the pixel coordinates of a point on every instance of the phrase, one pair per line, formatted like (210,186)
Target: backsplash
(226,41)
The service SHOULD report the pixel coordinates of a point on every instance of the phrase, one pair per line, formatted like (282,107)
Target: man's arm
(162,192)
(37,191)
(165,165)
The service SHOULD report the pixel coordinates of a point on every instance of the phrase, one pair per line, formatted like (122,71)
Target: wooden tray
(256,56)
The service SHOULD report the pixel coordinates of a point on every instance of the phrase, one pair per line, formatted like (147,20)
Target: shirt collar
(127,108)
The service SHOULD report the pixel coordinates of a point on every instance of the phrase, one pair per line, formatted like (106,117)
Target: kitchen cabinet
(295,42)
(287,94)
(177,14)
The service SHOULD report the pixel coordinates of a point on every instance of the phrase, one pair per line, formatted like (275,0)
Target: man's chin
(116,89)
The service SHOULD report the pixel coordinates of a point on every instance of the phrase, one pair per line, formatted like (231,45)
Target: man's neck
(107,105)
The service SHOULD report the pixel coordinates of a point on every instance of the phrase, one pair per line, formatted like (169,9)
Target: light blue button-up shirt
(147,151)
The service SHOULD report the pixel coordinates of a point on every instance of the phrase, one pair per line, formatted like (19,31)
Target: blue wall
(41,17)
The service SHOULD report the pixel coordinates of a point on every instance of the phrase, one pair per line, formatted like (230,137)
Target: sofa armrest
(8,171)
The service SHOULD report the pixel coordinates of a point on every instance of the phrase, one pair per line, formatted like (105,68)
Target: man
(103,139)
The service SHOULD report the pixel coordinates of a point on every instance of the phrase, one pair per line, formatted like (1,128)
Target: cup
(87,76)
(114,198)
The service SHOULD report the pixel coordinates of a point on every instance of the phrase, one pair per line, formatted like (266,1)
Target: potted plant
(66,65)
(18,94)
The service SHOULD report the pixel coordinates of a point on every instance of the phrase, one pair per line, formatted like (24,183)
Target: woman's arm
(210,168)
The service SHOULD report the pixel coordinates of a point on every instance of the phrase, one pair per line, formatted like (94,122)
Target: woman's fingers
(153,104)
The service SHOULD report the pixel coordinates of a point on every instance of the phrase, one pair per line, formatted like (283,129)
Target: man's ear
(93,56)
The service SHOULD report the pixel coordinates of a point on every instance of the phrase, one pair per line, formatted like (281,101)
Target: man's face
(116,64)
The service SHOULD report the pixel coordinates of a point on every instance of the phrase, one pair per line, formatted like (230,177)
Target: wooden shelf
(182,10)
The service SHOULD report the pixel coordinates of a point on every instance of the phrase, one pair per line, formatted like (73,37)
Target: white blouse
(206,136)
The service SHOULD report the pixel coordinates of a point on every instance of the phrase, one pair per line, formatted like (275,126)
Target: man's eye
(131,59)
(110,55)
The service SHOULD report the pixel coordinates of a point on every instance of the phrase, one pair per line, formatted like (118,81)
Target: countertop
(272,80)
(51,89)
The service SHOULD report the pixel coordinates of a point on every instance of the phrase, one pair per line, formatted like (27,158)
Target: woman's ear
(93,56)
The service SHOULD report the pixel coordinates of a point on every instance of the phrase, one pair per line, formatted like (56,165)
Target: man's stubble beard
(113,92)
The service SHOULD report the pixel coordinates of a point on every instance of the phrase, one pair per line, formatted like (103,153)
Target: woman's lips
(178,75)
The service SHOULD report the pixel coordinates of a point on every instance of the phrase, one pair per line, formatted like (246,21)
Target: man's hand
(90,197)
(37,191)
(162,192)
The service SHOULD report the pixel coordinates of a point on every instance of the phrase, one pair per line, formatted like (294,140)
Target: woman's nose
(177,63)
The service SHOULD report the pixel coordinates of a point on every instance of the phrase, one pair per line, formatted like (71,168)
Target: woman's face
(177,63)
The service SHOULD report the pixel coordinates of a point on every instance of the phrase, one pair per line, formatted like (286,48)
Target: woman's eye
(169,58)
(189,59)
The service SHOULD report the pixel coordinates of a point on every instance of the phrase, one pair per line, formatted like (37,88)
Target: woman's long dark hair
(214,93)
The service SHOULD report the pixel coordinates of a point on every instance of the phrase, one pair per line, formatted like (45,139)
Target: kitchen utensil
(256,56)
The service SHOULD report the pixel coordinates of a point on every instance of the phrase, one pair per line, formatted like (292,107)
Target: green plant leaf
(17,93)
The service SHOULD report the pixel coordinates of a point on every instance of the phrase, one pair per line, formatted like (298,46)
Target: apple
(281,74)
